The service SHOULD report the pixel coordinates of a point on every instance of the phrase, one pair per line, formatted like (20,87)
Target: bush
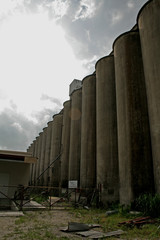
(148,204)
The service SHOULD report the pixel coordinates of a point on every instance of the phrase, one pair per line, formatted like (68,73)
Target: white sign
(73,184)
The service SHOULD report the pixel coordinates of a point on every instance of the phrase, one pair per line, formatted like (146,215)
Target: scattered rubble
(138,222)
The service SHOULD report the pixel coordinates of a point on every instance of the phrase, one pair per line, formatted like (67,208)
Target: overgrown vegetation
(148,204)
(44,225)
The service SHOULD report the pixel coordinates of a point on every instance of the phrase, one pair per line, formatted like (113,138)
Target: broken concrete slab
(111,212)
(96,235)
(11,214)
(31,206)
(74,227)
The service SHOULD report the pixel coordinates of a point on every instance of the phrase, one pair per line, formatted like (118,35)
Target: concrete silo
(75,135)
(135,159)
(30,150)
(149,28)
(39,157)
(88,134)
(65,144)
(56,150)
(43,148)
(47,152)
(35,155)
(107,148)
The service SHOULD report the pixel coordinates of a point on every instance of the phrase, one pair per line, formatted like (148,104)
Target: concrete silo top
(93,74)
(140,11)
(108,56)
(123,34)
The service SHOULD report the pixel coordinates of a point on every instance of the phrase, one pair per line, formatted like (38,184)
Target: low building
(14,171)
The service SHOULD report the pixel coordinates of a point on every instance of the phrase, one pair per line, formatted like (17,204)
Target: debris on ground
(96,235)
(138,222)
(108,213)
(85,230)
(76,227)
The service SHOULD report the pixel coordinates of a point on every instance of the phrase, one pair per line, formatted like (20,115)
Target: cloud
(17,132)
(43,116)
(116,17)
(131,4)
(52,99)
(87,9)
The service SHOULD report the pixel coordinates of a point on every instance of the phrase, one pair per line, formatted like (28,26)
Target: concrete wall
(88,133)
(135,158)
(56,150)
(107,149)
(43,149)
(149,28)
(18,173)
(33,165)
(75,135)
(65,144)
(47,152)
(39,158)
(128,168)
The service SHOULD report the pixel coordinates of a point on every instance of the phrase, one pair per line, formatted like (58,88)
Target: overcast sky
(44,45)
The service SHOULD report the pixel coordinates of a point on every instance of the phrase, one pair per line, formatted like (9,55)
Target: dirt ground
(37,225)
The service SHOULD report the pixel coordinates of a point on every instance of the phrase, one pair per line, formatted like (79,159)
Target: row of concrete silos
(109,132)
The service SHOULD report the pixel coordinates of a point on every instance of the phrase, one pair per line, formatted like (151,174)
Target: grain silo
(149,28)
(41,179)
(39,158)
(54,172)
(75,135)
(47,152)
(65,144)
(88,134)
(135,159)
(107,149)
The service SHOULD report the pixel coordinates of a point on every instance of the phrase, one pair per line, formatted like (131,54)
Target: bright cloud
(35,59)
(130,4)
(116,17)
(59,7)
(87,9)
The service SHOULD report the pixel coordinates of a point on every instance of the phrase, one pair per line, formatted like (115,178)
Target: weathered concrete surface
(149,28)
(47,152)
(135,159)
(39,157)
(65,144)
(43,148)
(34,165)
(107,149)
(88,133)
(75,135)
(56,149)
(30,150)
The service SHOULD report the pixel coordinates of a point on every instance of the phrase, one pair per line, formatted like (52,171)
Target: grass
(110,223)
(33,226)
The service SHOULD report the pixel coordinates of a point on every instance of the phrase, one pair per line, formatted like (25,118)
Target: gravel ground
(37,226)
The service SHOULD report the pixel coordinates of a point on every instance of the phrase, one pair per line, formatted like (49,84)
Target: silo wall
(36,156)
(47,152)
(39,158)
(88,134)
(107,148)
(75,136)
(65,144)
(43,148)
(56,150)
(149,28)
(135,158)
(30,150)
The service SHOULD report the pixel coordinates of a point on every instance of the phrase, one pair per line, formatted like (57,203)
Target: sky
(44,46)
